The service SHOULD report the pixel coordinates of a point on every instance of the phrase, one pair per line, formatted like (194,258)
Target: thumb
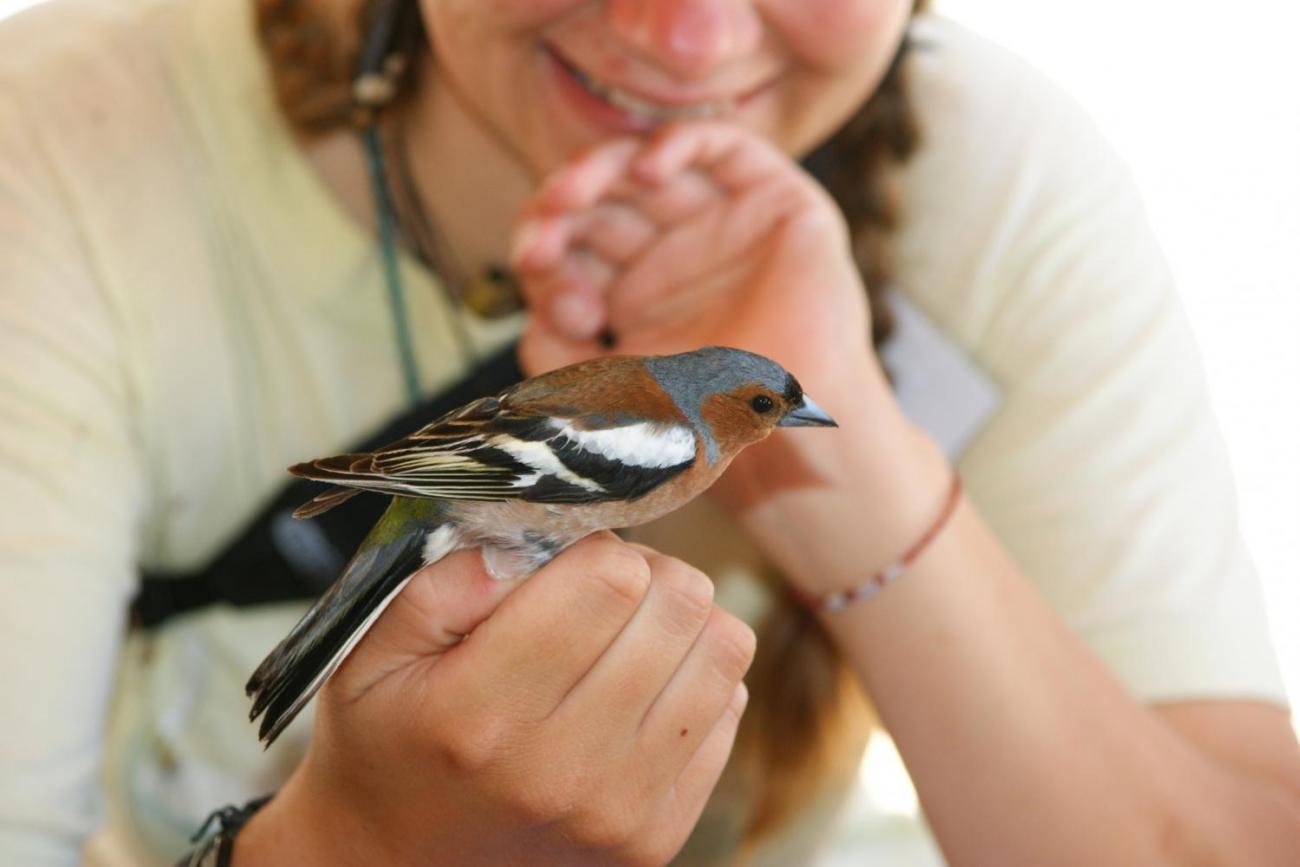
(441,604)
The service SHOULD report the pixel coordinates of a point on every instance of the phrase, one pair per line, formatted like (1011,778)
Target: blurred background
(1203,101)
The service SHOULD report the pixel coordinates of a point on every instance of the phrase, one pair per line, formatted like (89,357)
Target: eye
(762,404)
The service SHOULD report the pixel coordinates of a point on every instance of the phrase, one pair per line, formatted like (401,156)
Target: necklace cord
(388,249)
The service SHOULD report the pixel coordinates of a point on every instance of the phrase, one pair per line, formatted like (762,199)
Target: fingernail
(575,316)
(646,168)
(524,240)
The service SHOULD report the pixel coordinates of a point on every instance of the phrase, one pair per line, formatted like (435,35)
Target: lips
(640,110)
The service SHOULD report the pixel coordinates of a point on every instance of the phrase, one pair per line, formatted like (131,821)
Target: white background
(1203,99)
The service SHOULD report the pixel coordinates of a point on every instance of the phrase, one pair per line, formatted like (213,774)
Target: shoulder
(85,90)
(1018,212)
(48,50)
(980,105)
(105,87)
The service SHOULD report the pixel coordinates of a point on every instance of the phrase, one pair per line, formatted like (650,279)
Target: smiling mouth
(643,109)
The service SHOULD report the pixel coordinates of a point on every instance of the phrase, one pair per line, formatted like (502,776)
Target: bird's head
(733,397)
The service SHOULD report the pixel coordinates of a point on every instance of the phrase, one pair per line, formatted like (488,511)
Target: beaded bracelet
(217,849)
(843,598)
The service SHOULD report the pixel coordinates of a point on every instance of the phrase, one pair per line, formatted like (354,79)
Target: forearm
(1022,747)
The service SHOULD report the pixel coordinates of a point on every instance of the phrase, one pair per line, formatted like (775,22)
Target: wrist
(273,835)
(834,516)
(301,825)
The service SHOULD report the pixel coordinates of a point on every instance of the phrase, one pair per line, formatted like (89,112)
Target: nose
(687,37)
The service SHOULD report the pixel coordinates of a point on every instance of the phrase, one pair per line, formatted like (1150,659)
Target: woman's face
(554,76)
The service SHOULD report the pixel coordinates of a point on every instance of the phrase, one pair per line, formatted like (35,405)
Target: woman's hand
(584,719)
(703,234)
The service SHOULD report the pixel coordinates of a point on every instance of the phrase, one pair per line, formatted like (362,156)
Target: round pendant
(493,293)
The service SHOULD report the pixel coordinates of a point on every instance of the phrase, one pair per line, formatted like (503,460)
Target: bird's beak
(807,414)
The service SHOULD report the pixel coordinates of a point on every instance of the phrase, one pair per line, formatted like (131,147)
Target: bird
(608,443)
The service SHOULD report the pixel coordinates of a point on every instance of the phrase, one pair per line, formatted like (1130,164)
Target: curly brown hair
(807,719)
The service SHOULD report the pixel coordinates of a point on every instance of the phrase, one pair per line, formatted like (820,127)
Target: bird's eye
(762,404)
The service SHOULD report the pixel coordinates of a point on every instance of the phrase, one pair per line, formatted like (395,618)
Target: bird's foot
(505,564)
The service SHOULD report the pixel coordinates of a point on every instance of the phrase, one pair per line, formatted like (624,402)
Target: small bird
(607,443)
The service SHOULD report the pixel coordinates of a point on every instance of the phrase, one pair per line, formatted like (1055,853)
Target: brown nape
(805,718)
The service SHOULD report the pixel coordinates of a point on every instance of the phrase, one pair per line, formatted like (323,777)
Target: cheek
(839,50)
(731,421)
(829,35)
(500,15)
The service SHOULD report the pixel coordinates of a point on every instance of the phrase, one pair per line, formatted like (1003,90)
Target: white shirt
(185,310)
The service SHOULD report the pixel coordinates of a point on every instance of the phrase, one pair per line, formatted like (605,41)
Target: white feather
(644,444)
(441,542)
(540,457)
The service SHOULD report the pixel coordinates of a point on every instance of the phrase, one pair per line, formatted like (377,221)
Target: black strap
(277,557)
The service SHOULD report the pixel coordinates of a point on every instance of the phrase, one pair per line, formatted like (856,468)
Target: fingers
(615,230)
(592,176)
(732,158)
(663,688)
(570,262)
(572,294)
(569,259)
(690,705)
(643,658)
(552,630)
(656,214)
(440,604)
(677,264)
(672,809)
(691,789)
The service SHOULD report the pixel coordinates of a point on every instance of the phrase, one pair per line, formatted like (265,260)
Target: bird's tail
(298,666)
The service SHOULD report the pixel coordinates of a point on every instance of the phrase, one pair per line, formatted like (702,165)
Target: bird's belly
(539,527)
(528,535)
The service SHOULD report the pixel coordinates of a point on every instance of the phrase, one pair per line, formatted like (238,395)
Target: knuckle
(549,798)
(739,701)
(540,780)
(652,850)
(623,573)
(732,644)
(688,590)
(474,747)
(605,825)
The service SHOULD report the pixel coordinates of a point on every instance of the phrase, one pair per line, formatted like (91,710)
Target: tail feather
(324,502)
(348,475)
(292,673)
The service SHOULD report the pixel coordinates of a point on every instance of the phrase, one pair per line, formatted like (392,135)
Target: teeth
(651,111)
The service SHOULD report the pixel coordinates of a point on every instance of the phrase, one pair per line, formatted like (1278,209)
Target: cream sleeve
(71,494)
(1103,471)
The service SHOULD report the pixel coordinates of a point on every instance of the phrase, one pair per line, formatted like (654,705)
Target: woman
(194,298)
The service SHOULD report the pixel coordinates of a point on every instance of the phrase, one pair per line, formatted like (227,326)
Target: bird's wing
(489,450)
